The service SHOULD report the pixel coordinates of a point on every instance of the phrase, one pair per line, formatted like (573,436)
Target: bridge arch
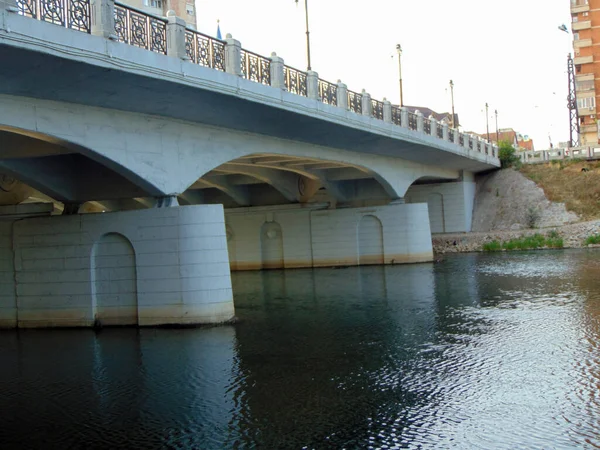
(65,171)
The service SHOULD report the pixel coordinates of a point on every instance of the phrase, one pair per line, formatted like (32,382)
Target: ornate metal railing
(377,109)
(355,102)
(426,125)
(205,50)
(328,92)
(412,121)
(295,81)
(396,115)
(74,14)
(140,29)
(256,68)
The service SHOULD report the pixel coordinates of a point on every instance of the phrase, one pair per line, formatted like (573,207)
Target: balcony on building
(578,6)
(583,60)
(581,43)
(583,25)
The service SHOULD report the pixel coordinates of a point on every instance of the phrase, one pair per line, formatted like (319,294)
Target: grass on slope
(575,183)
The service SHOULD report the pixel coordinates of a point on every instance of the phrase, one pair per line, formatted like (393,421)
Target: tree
(507,155)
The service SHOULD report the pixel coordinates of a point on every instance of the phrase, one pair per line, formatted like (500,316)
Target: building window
(575,19)
(588,102)
(575,36)
(586,85)
(154,3)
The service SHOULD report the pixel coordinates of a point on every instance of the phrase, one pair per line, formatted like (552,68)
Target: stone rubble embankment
(503,201)
(574,236)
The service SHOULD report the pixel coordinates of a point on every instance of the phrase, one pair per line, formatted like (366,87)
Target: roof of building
(427,112)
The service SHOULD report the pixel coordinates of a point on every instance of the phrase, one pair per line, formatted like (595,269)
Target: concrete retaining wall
(450,204)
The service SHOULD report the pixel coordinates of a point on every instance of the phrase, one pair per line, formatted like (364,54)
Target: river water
(478,351)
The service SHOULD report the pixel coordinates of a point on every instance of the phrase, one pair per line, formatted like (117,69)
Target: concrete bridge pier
(159,266)
(293,236)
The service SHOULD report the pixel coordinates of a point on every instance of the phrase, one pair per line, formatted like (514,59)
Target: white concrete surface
(73,270)
(450,204)
(314,237)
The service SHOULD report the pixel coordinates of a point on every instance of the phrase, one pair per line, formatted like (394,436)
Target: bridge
(141,161)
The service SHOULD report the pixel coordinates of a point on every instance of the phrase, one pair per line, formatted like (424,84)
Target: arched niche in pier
(271,245)
(114,281)
(370,241)
(435,204)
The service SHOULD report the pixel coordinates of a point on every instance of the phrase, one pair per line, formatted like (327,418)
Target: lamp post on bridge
(487,121)
(307,34)
(399,50)
(452,96)
(497,135)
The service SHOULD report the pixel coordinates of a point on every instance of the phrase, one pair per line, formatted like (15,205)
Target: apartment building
(586,40)
(186,9)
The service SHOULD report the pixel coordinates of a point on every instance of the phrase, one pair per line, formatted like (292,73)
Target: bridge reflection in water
(476,351)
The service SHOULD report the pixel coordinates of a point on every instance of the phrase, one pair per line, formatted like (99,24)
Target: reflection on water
(479,351)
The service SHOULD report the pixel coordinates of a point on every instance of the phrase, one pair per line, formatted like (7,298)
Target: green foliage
(525,243)
(593,240)
(508,155)
(493,246)
(553,234)
(532,216)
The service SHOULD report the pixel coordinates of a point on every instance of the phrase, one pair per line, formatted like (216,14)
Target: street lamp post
(487,122)
(307,33)
(497,134)
(399,50)
(452,96)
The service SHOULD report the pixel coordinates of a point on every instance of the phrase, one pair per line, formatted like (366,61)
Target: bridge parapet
(170,36)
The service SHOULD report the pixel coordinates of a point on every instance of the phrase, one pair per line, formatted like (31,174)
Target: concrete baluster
(102,17)
(434,126)
(277,79)
(367,107)
(342,95)
(233,55)
(445,134)
(312,85)
(420,121)
(387,110)
(404,117)
(176,36)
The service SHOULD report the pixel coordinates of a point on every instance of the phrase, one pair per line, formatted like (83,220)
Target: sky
(508,53)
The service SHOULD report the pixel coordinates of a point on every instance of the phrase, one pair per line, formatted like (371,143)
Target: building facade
(186,9)
(585,16)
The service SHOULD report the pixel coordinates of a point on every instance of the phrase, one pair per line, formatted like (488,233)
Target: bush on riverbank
(593,240)
(553,240)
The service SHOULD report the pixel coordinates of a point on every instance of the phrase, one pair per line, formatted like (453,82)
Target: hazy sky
(507,53)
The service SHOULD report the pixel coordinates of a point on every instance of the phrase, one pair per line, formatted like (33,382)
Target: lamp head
(564,28)
(399,49)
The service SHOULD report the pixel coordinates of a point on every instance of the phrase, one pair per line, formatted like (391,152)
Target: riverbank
(573,236)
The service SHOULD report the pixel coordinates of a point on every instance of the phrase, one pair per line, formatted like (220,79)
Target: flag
(219,30)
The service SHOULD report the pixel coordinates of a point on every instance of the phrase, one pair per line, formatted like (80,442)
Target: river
(489,351)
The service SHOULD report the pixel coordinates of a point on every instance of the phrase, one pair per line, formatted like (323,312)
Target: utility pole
(399,50)
(572,104)
(487,124)
(452,96)
(307,33)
